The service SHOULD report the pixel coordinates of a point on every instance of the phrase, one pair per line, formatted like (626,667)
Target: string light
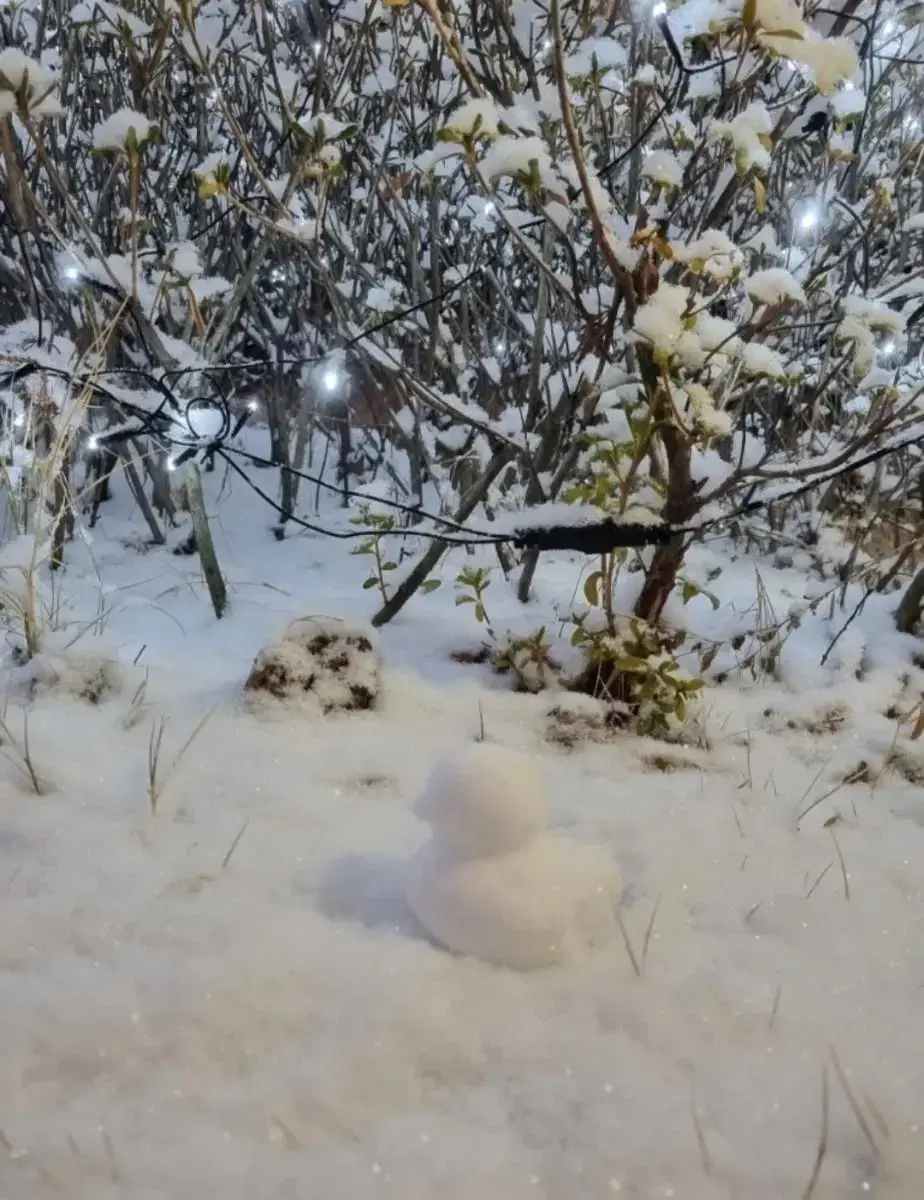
(593,539)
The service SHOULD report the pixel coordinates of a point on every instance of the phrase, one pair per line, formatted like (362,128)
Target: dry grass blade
(840,858)
(814,886)
(234,845)
(292,1142)
(625,937)
(776,1005)
(854,1104)
(878,1118)
(23,756)
(157,781)
(115,1173)
(821,799)
(154,745)
(705,1156)
(822,1150)
(650,930)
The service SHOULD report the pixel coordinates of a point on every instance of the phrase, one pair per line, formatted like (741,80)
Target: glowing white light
(808,220)
(171,463)
(888,29)
(93,443)
(547,45)
(659,9)
(70,273)
(490,209)
(888,347)
(19,420)
(252,406)
(912,124)
(318,47)
(331,379)
(500,347)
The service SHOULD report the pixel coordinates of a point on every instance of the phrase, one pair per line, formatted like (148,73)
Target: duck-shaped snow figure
(490,883)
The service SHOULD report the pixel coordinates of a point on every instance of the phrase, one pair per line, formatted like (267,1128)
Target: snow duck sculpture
(490,883)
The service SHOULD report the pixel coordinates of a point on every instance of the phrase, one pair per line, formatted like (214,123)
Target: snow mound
(490,884)
(91,675)
(334,662)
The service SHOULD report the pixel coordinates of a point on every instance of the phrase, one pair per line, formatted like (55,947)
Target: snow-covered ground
(229,998)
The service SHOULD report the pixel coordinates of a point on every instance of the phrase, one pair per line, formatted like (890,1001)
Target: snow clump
(118,131)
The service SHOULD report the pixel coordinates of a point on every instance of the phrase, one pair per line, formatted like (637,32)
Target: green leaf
(369,583)
(480,614)
(430,585)
(389,566)
(464,600)
(638,665)
(592,588)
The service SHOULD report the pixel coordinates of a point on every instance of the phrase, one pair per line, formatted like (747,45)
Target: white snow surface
(228,997)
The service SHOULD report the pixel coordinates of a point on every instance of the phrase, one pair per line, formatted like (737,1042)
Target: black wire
(352,534)
(413,510)
(592,539)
